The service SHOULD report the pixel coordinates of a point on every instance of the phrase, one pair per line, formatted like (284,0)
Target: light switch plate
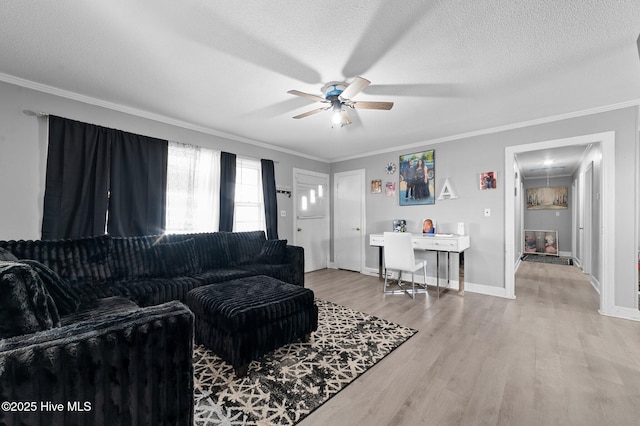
(487,212)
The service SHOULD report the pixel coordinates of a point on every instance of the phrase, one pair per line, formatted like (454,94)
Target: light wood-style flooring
(545,358)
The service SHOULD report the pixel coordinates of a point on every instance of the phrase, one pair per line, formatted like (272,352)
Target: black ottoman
(243,319)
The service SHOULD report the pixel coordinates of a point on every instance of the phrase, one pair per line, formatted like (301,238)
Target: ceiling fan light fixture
(336,118)
(336,107)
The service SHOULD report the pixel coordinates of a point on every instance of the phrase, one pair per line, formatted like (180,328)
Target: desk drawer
(428,244)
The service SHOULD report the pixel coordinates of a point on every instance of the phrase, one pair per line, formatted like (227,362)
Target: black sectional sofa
(98,324)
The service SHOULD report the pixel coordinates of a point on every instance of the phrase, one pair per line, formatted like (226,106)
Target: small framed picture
(376,186)
(428,226)
(488,180)
(390,189)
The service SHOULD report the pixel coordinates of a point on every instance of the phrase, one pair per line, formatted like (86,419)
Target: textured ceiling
(450,67)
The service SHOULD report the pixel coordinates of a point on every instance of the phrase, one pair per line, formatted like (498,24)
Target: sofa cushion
(63,295)
(244,246)
(174,259)
(211,248)
(76,260)
(130,257)
(99,308)
(273,252)
(7,255)
(25,305)
(213,276)
(154,291)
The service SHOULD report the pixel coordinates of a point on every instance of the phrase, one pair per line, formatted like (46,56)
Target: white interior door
(311,224)
(348,228)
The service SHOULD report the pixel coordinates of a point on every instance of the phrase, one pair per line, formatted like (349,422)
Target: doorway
(349,211)
(586,223)
(311,217)
(607,185)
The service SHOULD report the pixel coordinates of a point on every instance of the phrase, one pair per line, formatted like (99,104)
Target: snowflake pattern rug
(288,384)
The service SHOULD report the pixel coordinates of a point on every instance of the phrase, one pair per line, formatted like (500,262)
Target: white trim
(543,120)
(207,130)
(595,284)
(622,312)
(362,174)
(564,254)
(487,290)
(146,114)
(607,140)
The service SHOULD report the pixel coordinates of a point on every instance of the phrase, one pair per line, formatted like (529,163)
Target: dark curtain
(77,180)
(227,190)
(270,199)
(92,170)
(138,185)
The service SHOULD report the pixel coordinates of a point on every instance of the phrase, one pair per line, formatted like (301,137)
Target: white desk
(432,242)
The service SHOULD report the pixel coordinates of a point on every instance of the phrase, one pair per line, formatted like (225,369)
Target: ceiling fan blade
(307,95)
(356,86)
(373,105)
(308,113)
(345,120)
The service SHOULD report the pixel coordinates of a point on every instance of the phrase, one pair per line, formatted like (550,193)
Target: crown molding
(498,129)
(28,84)
(7,78)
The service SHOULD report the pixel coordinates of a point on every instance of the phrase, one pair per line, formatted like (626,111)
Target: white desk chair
(399,256)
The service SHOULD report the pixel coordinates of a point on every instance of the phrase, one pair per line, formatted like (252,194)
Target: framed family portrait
(417,178)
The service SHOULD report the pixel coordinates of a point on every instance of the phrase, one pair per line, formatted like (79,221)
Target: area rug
(548,259)
(288,384)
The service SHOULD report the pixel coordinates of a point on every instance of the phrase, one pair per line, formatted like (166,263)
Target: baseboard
(487,290)
(564,254)
(431,281)
(595,284)
(623,313)
(517,265)
(453,285)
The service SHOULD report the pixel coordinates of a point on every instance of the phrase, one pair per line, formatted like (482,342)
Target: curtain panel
(270,198)
(77,180)
(94,172)
(138,182)
(227,190)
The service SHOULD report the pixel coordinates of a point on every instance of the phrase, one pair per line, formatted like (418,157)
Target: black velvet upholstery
(133,366)
(152,291)
(244,247)
(174,259)
(77,261)
(125,349)
(273,252)
(25,305)
(7,255)
(243,319)
(64,296)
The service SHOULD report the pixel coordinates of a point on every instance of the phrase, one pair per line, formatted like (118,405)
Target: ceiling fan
(339,95)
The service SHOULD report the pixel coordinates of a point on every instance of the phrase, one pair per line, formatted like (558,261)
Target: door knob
(358,228)
(299,229)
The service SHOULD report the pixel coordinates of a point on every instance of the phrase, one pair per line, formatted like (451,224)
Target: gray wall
(23,151)
(462,160)
(559,220)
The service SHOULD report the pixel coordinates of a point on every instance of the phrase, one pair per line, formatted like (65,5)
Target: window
(249,204)
(193,189)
